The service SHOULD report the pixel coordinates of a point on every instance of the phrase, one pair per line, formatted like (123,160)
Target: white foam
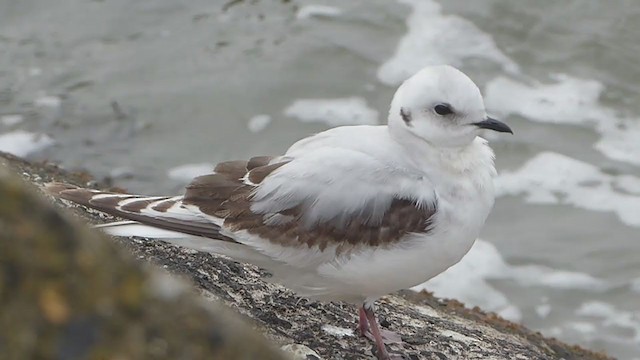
(612,317)
(433,38)
(596,309)
(568,100)
(468,281)
(543,310)
(619,139)
(186,173)
(23,143)
(11,119)
(333,112)
(628,183)
(309,11)
(536,275)
(48,101)
(582,327)
(34,71)
(258,123)
(552,178)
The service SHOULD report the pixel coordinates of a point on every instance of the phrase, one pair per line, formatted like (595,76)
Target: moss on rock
(68,293)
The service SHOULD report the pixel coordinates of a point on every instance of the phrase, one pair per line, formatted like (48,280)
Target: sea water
(150,94)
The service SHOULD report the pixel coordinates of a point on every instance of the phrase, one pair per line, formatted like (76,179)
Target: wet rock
(432,328)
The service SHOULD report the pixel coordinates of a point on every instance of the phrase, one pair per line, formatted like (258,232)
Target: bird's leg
(363,323)
(375,331)
(389,337)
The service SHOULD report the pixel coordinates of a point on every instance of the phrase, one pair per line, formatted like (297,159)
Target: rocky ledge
(68,292)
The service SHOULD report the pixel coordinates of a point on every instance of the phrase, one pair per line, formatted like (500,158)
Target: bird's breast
(464,204)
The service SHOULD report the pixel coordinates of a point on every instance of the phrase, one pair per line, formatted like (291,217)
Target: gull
(349,214)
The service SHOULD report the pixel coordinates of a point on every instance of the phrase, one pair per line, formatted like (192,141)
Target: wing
(331,200)
(330,197)
(162,212)
(293,215)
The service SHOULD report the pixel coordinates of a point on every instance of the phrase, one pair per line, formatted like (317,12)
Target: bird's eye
(443,109)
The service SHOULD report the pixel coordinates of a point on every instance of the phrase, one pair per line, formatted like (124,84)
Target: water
(133,90)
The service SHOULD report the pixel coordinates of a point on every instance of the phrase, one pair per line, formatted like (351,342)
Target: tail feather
(168,219)
(163,212)
(133,228)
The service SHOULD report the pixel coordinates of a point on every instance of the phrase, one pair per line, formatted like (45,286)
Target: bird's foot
(369,328)
(390,337)
(364,330)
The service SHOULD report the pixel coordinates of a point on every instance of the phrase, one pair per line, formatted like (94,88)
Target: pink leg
(363,323)
(389,337)
(375,331)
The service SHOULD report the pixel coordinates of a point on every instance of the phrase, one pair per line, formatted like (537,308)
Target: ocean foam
(11,119)
(34,71)
(309,11)
(186,173)
(258,123)
(23,143)
(620,139)
(333,112)
(628,183)
(552,178)
(468,281)
(433,38)
(582,327)
(48,101)
(543,310)
(611,317)
(568,100)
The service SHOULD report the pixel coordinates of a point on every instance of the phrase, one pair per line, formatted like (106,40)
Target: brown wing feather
(131,211)
(225,195)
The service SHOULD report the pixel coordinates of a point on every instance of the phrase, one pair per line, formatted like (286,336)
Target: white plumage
(428,156)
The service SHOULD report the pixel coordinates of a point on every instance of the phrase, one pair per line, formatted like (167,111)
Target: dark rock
(66,292)
(433,328)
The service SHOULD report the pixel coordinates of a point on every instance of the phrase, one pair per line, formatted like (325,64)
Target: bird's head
(441,105)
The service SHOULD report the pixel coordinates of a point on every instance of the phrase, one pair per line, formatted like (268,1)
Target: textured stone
(68,293)
(431,328)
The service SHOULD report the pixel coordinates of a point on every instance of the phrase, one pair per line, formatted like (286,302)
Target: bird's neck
(465,158)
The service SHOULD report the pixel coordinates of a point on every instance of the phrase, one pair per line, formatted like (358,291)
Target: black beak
(493,124)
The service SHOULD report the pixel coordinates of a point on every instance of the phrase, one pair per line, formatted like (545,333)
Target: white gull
(352,213)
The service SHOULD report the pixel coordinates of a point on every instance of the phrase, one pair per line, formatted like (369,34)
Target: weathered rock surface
(66,292)
(431,328)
